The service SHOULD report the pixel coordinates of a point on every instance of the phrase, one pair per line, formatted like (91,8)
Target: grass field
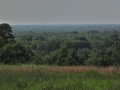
(31,77)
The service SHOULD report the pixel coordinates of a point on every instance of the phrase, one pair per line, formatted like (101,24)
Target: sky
(60,11)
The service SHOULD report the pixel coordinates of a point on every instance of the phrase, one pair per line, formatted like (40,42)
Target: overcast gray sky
(59,11)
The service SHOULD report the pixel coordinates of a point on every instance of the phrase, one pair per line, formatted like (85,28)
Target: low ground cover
(30,77)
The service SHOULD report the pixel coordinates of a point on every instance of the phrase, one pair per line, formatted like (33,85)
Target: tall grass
(56,69)
(58,78)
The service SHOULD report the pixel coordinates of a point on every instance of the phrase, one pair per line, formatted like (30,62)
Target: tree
(15,53)
(28,37)
(51,58)
(37,58)
(102,57)
(83,55)
(114,36)
(6,33)
(67,56)
(1,42)
(62,54)
(71,58)
(116,52)
(77,42)
(54,43)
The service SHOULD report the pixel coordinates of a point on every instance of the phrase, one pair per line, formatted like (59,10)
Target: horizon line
(68,24)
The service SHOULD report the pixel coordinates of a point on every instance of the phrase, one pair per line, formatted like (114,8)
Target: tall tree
(6,33)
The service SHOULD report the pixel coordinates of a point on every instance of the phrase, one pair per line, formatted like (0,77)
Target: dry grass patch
(56,69)
(79,69)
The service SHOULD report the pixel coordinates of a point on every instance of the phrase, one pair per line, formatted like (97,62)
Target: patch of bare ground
(61,69)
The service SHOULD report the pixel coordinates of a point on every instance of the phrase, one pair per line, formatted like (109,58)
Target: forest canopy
(64,46)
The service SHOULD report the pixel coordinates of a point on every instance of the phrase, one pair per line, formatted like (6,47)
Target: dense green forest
(63,45)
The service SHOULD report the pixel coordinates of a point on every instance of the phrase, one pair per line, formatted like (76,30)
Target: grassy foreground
(58,78)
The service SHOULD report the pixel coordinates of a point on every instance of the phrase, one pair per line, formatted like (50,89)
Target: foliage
(96,45)
(1,42)
(116,53)
(15,53)
(6,33)
(12,52)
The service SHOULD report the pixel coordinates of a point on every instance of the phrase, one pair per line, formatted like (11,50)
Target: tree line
(92,47)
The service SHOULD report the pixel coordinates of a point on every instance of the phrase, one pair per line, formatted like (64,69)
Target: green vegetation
(60,45)
(75,49)
(39,78)
(12,52)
